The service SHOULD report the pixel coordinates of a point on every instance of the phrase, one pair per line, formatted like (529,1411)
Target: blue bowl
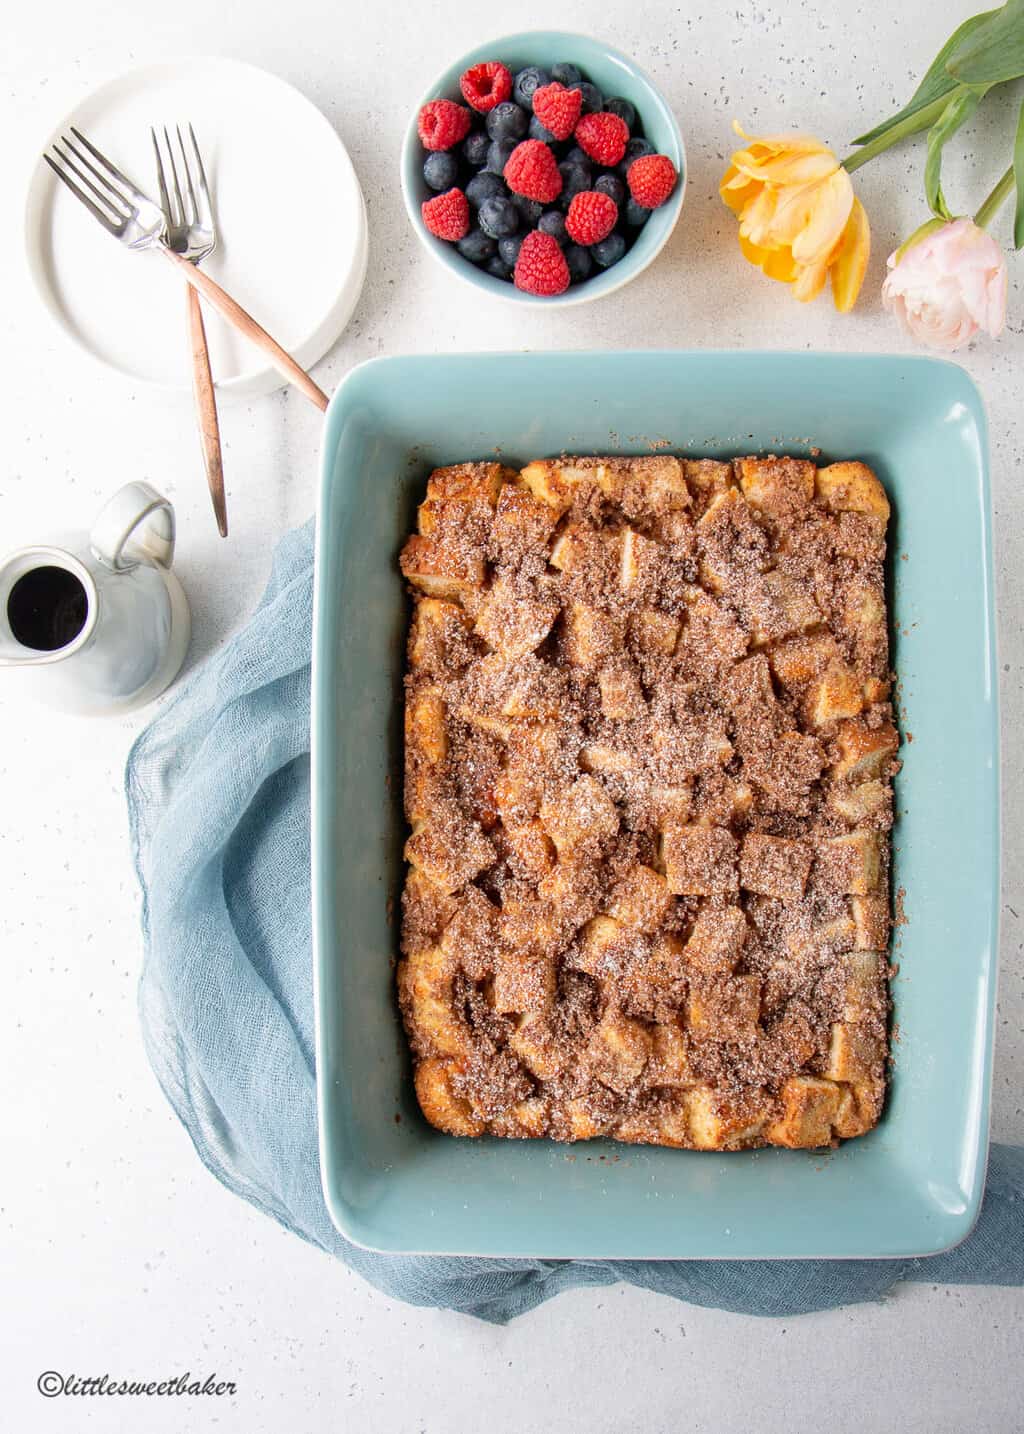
(614,74)
(910,1187)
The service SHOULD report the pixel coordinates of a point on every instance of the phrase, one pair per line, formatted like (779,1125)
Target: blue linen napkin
(218,801)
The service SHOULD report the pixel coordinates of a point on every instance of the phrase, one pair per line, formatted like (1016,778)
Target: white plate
(290,215)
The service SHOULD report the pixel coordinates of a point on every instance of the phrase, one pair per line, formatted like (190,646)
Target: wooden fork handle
(225,305)
(206,409)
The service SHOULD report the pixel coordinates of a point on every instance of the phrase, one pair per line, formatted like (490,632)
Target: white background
(120,1252)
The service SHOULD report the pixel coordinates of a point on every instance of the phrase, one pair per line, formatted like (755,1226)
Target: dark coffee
(47,609)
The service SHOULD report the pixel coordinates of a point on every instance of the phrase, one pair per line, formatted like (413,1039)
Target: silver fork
(192,233)
(129,214)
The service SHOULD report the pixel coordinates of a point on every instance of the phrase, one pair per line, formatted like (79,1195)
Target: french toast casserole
(648,759)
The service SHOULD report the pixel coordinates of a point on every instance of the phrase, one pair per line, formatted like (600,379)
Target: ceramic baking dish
(914,1184)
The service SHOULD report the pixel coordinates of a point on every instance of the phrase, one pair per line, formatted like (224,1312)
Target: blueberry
(553,223)
(608,252)
(526,85)
(611,185)
(498,217)
(475,147)
(537,131)
(636,214)
(484,185)
(509,249)
(625,111)
(566,74)
(498,155)
(507,121)
(577,156)
(593,99)
(440,170)
(530,210)
(579,261)
(477,246)
(575,179)
(634,149)
(497,266)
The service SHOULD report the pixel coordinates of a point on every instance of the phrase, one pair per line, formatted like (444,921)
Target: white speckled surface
(120,1253)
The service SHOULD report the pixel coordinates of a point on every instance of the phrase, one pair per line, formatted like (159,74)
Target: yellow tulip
(800,221)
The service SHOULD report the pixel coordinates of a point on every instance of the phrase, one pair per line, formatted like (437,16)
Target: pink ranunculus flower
(947,285)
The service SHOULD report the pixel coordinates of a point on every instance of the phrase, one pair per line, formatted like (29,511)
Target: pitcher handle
(140,512)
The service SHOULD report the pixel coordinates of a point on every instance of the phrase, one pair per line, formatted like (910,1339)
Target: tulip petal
(787,169)
(773,263)
(832,202)
(810,280)
(851,261)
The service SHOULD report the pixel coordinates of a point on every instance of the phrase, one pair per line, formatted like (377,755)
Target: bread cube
(777,486)
(669,1063)
(864,751)
(859,1107)
(537,1046)
(726,1009)
(809,1107)
(441,570)
(851,488)
(524,982)
(641,900)
(871,922)
(830,937)
(602,758)
(799,660)
(699,860)
(549,485)
(657,985)
(532,854)
(688,747)
(448,849)
(591,636)
(529,925)
(426,747)
(718,1122)
(641,562)
(851,1053)
(425,990)
(524,687)
(582,813)
(601,942)
(442,1107)
(520,521)
(716,940)
(469,481)
(583,1121)
(469,939)
(837,695)
(852,863)
(622,699)
(671,803)
(711,629)
(438,636)
(870,801)
(655,633)
(526,1120)
(426,911)
(511,624)
(618,1051)
(779,607)
(775,866)
(706,477)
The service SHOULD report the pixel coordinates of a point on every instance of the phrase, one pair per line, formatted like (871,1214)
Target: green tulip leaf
(958,111)
(1018,175)
(994,51)
(937,82)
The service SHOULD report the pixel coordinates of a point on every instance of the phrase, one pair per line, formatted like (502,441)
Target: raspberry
(591,217)
(447,215)
(557,109)
(541,267)
(603,136)
(442,123)
(532,172)
(484,86)
(651,179)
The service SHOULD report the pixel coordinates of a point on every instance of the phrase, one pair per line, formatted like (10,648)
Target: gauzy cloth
(218,803)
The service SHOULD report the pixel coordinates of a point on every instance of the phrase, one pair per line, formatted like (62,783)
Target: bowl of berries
(545,168)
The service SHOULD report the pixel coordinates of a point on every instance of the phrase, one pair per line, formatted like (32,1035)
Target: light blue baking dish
(911,1187)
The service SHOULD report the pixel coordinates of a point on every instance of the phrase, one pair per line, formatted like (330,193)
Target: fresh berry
(609,251)
(576,156)
(509,249)
(484,186)
(484,86)
(565,73)
(553,223)
(537,131)
(447,215)
(636,147)
(579,263)
(507,121)
(498,155)
(592,217)
(474,150)
(498,217)
(529,210)
(611,185)
(636,215)
(440,170)
(603,136)
(527,82)
(593,99)
(558,109)
(531,170)
(541,267)
(621,107)
(477,247)
(496,265)
(575,179)
(442,123)
(651,179)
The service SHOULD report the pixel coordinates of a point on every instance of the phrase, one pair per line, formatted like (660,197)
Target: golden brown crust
(648,766)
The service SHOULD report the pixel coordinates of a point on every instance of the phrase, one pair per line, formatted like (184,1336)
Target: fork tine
(136,193)
(205,202)
(165,203)
(94,209)
(123,203)
(194,216)
(180,217)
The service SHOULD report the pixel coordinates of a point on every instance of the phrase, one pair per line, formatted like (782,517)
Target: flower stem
(913,124)
(991,206)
